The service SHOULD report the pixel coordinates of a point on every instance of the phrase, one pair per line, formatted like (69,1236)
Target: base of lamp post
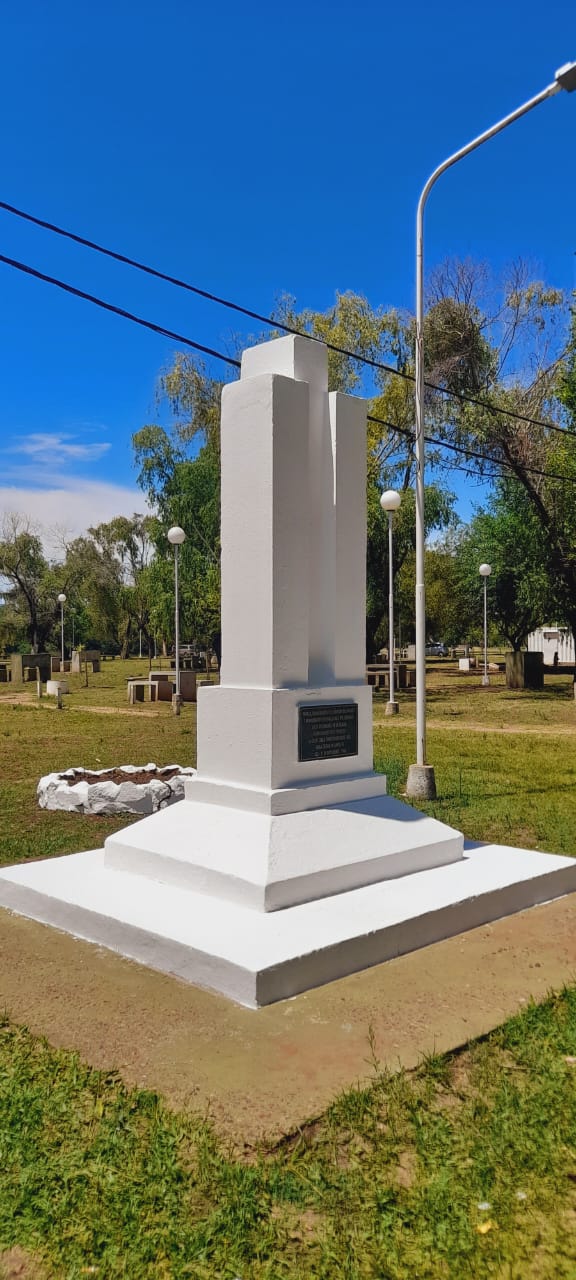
(391,709)
(176,703)
(485,681)
(421,783)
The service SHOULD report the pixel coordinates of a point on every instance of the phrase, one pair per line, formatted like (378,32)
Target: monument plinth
(287,864)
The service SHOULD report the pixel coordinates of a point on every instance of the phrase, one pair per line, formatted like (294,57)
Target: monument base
(257,957)
(270,861)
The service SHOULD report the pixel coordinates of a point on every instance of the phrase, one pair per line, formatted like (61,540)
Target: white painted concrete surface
(270,862)
(256,957)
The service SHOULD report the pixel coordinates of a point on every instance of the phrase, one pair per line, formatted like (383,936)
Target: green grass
(36,739)
(453,697)
(99,1180)
(507,788)
(511,787)
(390,1182)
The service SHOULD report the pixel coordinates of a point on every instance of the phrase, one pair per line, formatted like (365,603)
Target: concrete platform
(260,1076)
(257,958)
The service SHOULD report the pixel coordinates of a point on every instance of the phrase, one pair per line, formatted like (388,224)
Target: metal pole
(392,707)
(485,679)
(420,602)
(177,623)
(62,629)
(421,780)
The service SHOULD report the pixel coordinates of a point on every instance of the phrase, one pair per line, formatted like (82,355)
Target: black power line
(118,311)
(472,453)
(270,321)
(218,355)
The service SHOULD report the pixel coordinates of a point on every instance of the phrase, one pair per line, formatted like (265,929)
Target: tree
(109,566)
(186,492)
(449,617)
(97,595)
(509,537)
(523,421)
(439,515)
(127,545)
(31,598)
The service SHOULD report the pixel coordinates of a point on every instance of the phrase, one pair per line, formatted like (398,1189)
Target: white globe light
(176,536)
(61,598)
(390,500)
(485,570)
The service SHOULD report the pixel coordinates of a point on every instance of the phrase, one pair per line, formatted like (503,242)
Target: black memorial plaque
(327,730)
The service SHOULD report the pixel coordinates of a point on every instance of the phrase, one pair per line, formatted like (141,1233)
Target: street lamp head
(566,77)
(485,570)
(176,536)
(390,500)
(61,598)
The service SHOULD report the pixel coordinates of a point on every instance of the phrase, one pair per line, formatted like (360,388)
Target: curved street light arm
(419,399)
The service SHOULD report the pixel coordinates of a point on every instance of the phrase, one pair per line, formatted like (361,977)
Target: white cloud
(54,447)
(71,505)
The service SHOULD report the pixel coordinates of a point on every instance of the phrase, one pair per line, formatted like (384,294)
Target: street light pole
(176,537)
(62,602)
(390,501)
(421,781)
(485,571)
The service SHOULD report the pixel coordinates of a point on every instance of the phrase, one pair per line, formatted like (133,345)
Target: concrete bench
(167,684)
(137,690)
(404,677)
(161,686)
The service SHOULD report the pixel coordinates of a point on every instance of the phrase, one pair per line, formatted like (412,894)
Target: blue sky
(253,150)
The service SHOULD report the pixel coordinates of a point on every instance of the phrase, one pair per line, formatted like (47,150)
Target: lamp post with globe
(176,537)
(390,501)
(62,602)
(485,571)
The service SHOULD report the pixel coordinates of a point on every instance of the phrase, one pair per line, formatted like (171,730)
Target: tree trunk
(33,635)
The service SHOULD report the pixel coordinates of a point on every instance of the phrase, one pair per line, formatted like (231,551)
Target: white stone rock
(105,797)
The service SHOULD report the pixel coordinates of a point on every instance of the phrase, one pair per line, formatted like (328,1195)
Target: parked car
(436,651)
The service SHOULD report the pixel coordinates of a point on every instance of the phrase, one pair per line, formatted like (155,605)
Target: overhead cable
(270,321)
(219,355)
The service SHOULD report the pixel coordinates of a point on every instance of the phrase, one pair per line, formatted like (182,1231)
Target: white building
(550,640)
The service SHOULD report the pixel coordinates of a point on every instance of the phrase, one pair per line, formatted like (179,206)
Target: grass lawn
(464,1168)
(505,761)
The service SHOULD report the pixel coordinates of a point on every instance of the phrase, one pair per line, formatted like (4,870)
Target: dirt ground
(263,1073)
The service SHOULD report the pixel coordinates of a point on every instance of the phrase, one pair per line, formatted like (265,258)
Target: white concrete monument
(286,865)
